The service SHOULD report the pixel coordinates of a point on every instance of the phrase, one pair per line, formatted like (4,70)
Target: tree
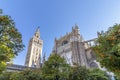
(10,40)
(83,73)
(27,75)
(117,77)
(97,74)
(17,76)
(107,49)
(5,76)
(55,68)
(79,73)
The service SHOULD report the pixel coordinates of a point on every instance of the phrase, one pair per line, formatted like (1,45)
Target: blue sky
(56,17)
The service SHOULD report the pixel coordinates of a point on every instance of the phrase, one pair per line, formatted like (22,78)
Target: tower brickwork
(34,53)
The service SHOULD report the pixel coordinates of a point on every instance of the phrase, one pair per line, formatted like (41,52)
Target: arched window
(64,42)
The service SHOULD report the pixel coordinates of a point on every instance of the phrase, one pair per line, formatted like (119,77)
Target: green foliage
(79,73)
(82,73)
(97,74)
(23,75)
(10,40)
(5,76)
(55,68)
(117,77)
(26,75)
(108,49)
(17,76)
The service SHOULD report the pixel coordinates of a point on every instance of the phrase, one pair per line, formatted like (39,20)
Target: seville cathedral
(75,50)
(71,46)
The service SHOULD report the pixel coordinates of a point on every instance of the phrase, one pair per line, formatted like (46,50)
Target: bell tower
(34,53)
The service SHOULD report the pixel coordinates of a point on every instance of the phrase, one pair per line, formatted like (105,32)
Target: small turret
(75,30)
(44,59)
(76,27)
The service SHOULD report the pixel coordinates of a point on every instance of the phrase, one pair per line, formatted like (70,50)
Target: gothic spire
(76,26)
(44,57)
(75,30)
(37,33)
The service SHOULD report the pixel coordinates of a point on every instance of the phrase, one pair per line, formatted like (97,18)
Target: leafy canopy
(107,49)
(55,68)
(10,40)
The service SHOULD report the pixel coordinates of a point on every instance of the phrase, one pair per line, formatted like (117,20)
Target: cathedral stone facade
(33,58)
(74,49)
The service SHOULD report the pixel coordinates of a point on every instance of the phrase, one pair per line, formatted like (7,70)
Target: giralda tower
(34,53)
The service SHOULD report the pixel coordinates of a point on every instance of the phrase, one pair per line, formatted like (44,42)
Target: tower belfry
(33,58)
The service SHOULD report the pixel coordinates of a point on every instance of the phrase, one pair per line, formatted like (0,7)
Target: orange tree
(10,40)
(107,49)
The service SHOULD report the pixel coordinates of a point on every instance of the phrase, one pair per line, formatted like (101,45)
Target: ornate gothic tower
(74,49)
(33,58)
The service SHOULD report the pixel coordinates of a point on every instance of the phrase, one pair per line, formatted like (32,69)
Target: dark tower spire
(44,59)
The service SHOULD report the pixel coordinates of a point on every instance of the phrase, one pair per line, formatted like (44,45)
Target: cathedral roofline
(69,33)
